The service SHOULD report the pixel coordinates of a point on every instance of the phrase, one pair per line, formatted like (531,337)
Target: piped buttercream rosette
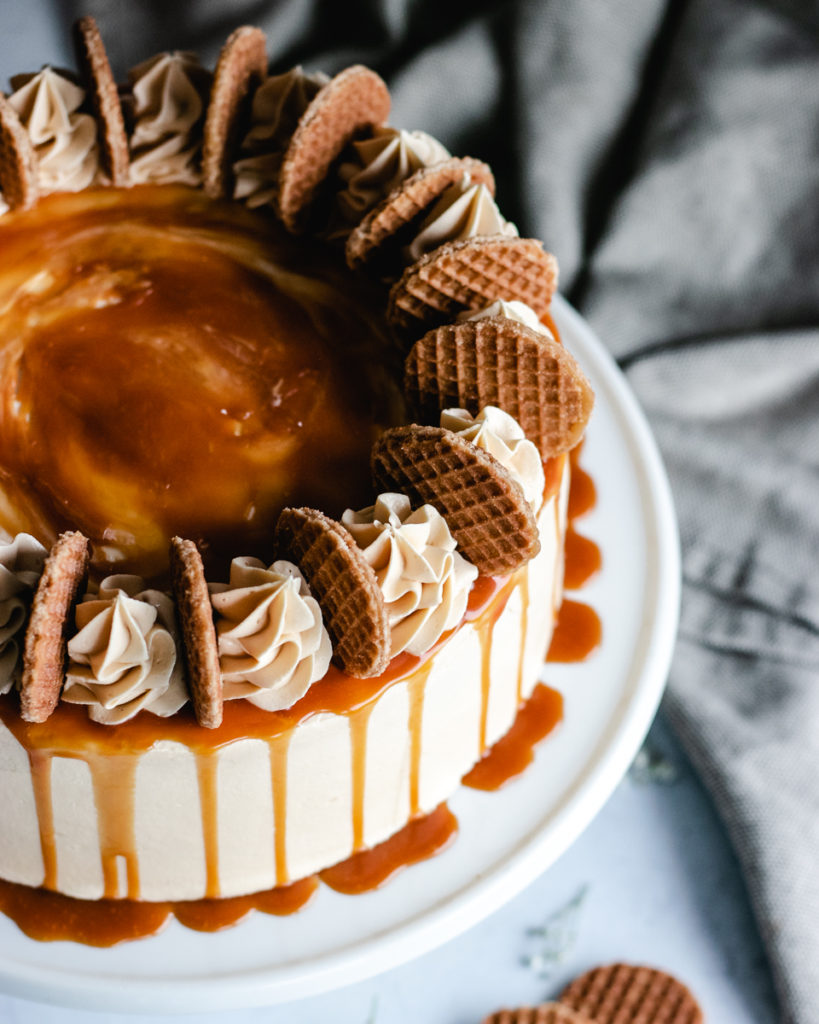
(513,310)
(465,210)
(378,164)
(424,579)
(278,104)
(65,140)
(168,96)
(21,565)
(272,641)
(123,658)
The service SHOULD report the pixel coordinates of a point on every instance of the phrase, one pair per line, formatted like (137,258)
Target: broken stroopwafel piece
(485,509)
(195,613)
(470,275)
(345,586)
(99,81)
(624,994)
(63,575)
(546,1013)
(406,203)
(498,361)
(356,99)
(18,161)
(241,68)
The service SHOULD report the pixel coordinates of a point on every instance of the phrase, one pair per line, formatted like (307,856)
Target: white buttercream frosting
(277,106)
(464,210)
(501,435)
(425,581)
(21,565)
(513,310)
(123,658)
(272,641)
(65,141)
(379,164)
(169,93)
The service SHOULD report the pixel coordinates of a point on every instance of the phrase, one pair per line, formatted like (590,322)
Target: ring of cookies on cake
(379,656)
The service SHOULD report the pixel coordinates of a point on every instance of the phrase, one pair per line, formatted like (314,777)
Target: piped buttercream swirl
(277,106)
(502,436)
(425,581)
(65,141)
(272,641)
(513,310)
(378,164)
(464,210)
(169,94)
(21,565)
(123,658)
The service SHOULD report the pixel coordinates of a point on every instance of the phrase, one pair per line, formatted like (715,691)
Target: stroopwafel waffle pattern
(102,88)
(625,994)
(406,204)
(471,275)
(498,361)
(241,68)
(63,574)
(356,99)
(545,1013)
(484,508)
(344,585)
(199,644)
(18,160)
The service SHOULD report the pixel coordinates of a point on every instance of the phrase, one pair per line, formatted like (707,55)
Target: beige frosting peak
(65,141)
(277,106)
(123,658)
(425,581)
(169,92)
(21,565)
(379,164)
(464,210)
(272,642)
(514,310)
(502,436)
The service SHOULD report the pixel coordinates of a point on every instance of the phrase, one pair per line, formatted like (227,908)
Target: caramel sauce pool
(169,364)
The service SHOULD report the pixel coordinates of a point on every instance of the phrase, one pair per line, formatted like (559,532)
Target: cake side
(187,821)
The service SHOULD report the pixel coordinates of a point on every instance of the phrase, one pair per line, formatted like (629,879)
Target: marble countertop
(653,880)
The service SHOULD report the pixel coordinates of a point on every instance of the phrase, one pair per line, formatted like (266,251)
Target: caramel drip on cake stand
(578,630)
(514,752)
(583,560)
(369,869)
(577,633)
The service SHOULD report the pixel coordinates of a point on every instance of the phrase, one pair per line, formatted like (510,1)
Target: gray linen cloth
(667,152)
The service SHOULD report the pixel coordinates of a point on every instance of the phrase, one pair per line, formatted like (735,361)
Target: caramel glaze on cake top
(170,364)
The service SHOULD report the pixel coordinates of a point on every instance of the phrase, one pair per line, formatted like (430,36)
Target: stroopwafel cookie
(345,586)
(485,509)
(470,275)
(498,361)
